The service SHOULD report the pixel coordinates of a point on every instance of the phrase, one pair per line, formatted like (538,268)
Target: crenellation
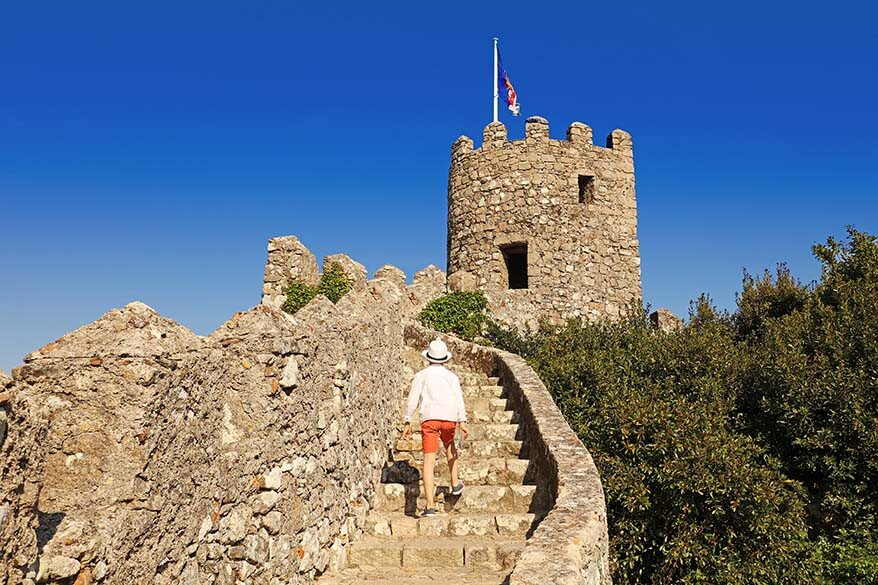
(536,130)
(494,135)
(619,140)
(580,134)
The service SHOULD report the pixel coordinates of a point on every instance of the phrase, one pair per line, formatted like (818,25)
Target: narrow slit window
(586,188)
(515,256)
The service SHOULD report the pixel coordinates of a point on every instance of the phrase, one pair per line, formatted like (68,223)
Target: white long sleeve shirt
(438,390)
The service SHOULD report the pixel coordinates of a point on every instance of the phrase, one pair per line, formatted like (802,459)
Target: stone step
(428,552)
(409,576)
(513,499)
(478,449)
(479,431)
(399,524)
(473,391)
(486,407)
(468,377)
(483,471)
(474,415)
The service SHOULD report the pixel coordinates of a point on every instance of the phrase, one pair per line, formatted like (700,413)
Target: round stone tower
(544,227)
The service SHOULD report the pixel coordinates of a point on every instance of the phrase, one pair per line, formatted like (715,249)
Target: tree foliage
(743,449)
(461,313)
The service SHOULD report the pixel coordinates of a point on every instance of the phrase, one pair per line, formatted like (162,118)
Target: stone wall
(288,260)
(570,546)
(581,234)
(139,452)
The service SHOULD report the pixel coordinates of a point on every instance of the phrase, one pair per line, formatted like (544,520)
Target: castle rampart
(542,226)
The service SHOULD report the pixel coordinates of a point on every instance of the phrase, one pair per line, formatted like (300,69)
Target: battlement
(536,133)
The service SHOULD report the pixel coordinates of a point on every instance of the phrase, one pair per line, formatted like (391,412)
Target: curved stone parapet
(570,546)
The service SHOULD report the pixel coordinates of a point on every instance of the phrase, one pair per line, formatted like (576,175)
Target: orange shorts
(433,430)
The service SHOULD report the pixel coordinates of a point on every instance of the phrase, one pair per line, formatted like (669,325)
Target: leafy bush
(298,294)
(851,558)
(690,500)
(461,313)
(766,298)
(812,388)
(743,449)
(333,284)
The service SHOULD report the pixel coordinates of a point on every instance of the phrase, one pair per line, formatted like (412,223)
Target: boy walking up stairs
(468,516)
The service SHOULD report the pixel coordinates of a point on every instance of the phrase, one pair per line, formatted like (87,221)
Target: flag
(504,84)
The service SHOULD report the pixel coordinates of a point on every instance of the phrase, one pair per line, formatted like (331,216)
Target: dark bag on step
(399,472)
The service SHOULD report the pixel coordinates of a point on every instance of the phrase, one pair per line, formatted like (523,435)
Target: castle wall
(138,452)
(581,235)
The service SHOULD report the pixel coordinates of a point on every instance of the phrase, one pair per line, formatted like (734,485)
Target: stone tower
(544,227)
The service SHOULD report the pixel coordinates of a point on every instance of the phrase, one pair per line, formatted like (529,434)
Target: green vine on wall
(334,284)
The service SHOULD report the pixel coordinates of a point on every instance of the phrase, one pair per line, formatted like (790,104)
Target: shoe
(457,490)
(428,512)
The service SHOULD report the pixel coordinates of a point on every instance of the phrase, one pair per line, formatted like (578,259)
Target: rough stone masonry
(544,227)
(139,452)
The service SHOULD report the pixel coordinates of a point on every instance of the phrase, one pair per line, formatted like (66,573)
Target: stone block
(391,274)
(481,556)
(432,554)
(522,497)
(378,525)
(517,469)
(485,499)
(465,525)
(433,526)
(375,555)
(514,524)
(404,526)
(508,554)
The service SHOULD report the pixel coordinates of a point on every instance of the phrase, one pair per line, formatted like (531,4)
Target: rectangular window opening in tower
(586,189)
(515,256)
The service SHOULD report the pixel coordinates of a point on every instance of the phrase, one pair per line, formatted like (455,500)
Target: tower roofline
(536,132)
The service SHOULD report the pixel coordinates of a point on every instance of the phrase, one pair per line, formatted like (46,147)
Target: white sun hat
(437,352)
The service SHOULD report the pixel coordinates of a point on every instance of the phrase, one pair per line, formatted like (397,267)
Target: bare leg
(451,453)
(429,487)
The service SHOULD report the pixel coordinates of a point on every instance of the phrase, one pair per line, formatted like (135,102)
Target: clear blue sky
(149,149)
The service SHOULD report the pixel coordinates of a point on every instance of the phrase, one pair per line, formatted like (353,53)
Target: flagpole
(496,93)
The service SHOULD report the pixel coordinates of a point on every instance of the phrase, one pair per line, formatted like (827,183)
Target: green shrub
(690,499)
(766,298)
(298,294)
(461,313)
(812,389)
(743,449)
(333,283)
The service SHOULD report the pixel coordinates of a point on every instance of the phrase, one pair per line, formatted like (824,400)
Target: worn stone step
(414,576)
(473,406)
(427,552)
(469,377)
(474,415)
(476,449)
(482,471)
(513,499)
(475,391)
(479,431)
(398,524)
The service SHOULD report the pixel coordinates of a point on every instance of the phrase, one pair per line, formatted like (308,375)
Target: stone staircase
(476,537)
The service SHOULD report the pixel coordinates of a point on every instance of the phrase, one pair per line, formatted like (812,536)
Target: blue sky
(149,150)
